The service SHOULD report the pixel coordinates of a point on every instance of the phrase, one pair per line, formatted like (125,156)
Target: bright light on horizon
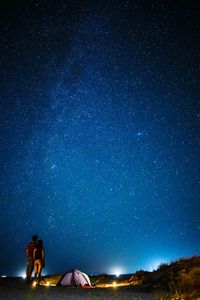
(22,274)
(117,271)
(154,264)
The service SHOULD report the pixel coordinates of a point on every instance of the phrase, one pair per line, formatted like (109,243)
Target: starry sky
(99,133)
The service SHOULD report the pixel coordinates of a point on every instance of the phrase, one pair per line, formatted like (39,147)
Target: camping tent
(74,278)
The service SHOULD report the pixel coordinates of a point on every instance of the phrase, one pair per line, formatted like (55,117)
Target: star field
(99,136)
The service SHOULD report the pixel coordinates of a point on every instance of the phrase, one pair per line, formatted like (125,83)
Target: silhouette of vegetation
(179,280)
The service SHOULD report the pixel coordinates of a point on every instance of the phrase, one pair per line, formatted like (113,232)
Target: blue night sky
(99,133)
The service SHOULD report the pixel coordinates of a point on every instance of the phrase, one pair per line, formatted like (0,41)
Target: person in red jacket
(29,257)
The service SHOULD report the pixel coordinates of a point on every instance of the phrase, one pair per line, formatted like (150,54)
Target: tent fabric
(74,278)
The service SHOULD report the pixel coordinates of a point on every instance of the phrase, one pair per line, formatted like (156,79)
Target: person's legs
(39,270)
(36,267)
(29,269)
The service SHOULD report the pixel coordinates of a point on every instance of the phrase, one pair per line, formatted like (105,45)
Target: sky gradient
(100,140)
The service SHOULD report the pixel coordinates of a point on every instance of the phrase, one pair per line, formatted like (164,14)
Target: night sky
(99,133)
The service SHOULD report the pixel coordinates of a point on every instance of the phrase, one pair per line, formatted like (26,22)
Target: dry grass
(179,280)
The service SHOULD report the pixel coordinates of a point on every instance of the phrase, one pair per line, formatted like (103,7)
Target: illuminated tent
(74,278)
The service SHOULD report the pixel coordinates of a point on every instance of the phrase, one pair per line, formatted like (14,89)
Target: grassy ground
(179,280)
(16,288)
(11,289)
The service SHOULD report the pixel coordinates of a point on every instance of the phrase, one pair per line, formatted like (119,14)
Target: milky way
(99,133)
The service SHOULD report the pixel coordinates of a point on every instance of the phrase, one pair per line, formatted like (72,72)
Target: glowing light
(155,264)
(47,284)
(117,271)
(22,274)
(114,283)
(3,276)
(34,283)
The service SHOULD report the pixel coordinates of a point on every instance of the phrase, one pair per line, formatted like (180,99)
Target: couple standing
(35,258)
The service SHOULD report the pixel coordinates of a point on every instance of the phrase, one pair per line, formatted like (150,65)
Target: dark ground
(16,288)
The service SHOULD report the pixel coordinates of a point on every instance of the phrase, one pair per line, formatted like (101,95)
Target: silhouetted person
(29,257)
(39,259)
